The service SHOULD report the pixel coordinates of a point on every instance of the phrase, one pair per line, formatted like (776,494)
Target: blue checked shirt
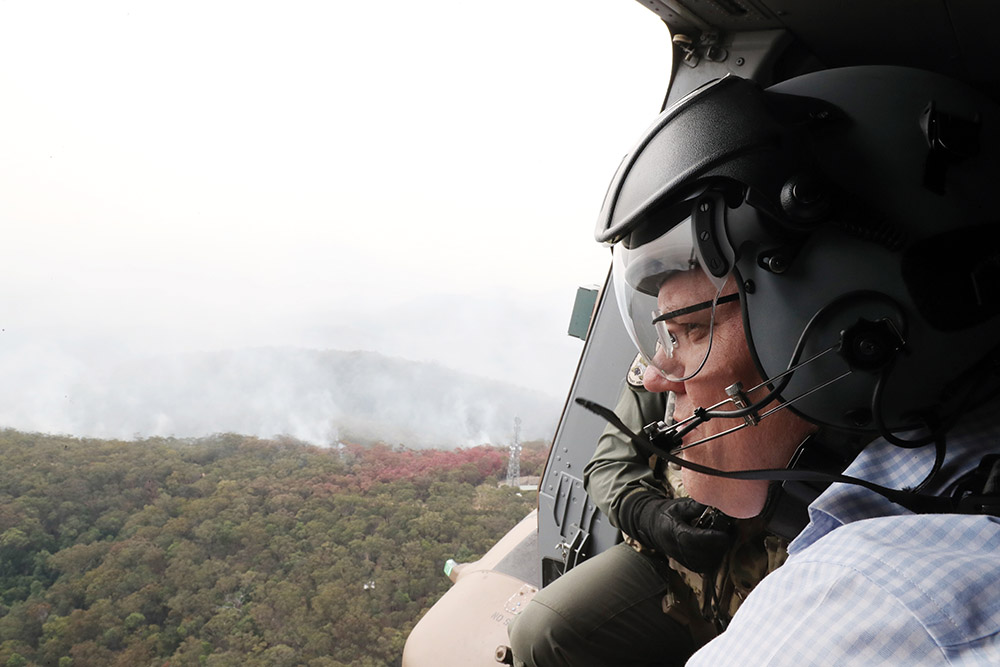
(870,583)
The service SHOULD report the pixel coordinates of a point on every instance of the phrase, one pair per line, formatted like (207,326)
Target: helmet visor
(668,303)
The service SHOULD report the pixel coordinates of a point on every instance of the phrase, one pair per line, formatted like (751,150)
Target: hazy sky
(415,178)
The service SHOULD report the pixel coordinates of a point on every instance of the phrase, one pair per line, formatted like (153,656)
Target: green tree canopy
(233,550)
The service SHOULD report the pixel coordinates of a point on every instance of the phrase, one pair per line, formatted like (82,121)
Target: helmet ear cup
(806,201)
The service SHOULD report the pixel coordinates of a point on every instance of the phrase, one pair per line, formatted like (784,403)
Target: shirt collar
(898,468)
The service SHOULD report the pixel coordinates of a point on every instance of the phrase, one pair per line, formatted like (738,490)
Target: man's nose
(655,380)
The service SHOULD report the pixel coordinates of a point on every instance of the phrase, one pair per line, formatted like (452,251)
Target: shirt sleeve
(617,468)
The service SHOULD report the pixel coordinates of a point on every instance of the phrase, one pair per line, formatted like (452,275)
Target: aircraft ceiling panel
(916,33)
(714,14)
(949,36)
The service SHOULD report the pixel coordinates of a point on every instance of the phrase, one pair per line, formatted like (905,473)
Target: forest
(235,551)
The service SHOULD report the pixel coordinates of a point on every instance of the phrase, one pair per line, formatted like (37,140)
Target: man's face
(770,444)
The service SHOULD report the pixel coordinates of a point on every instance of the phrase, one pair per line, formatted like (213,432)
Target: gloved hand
(668,525)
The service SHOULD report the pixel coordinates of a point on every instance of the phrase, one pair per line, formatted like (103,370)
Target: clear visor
(669,305)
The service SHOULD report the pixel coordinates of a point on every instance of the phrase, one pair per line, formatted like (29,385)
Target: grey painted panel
(569,525)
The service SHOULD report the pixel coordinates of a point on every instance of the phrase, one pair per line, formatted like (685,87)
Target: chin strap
(977,493)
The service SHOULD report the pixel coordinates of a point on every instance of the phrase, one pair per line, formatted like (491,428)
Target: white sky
(416,178)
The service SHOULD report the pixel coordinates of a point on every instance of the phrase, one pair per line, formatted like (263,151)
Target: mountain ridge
(316,396)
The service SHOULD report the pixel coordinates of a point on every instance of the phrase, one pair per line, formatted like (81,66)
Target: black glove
(668,525)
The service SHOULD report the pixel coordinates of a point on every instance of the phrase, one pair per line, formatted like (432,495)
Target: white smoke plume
(314,396)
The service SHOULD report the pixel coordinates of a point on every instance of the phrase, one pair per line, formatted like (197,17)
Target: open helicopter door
(468,624)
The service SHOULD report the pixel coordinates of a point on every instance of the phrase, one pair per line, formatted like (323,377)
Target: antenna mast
(514,460)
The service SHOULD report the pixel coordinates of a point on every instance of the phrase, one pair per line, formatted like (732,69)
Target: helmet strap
(663,445)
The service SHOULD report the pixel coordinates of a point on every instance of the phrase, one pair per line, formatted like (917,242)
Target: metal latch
(740,400)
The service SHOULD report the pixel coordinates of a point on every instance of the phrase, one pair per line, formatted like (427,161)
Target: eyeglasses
(668,340)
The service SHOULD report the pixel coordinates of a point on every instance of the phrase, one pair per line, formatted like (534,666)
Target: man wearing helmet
(823,257)
(688,576)
(768,445)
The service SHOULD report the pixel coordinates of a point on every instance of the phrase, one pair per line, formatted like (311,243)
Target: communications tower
(514,460)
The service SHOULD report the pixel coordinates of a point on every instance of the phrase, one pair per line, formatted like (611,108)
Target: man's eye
(695,330)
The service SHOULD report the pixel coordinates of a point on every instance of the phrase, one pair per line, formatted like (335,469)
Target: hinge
(707,45)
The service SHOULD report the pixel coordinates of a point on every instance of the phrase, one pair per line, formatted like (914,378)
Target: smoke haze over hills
(315,396)
(328,176)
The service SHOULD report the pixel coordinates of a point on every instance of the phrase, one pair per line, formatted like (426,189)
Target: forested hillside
(232,550)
